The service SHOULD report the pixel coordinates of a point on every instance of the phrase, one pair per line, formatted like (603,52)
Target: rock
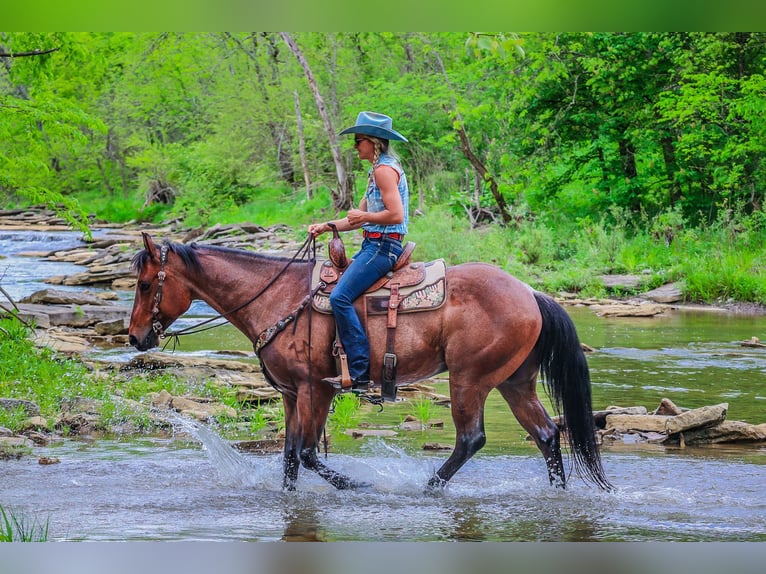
(29,407)
(258,396)
(73,315)
(726,432)
(642,310)
(200,409)
(57,297)
(45,460)
(265,446)
(625,423)
(599,417)
(78,423)
(702,417)
(5,432)
(14,442)
(412,426)
(436,446)
(753,342)
(33,424)
(361,433)
(82,405)
(668,408)
(66,343)
(624,281)
(152,361)
(113,327)
(668,293)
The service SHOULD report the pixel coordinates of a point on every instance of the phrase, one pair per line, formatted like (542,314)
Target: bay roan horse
(492,332)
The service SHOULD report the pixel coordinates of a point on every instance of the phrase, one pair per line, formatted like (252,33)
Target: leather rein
(265,337)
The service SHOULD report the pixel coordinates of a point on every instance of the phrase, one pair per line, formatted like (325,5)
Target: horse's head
(162,293)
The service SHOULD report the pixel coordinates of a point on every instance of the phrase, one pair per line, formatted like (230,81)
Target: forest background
(560,157)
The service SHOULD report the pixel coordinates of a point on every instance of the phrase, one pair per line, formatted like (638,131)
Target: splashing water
(232,468)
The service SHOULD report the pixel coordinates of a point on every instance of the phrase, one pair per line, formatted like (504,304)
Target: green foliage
(12,419)
(140,386)
(611,149)
(38,374)
(345,411)
(422,408)
(15,527)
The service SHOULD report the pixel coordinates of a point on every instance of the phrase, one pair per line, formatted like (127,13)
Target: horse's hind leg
(468,416)
(520,394)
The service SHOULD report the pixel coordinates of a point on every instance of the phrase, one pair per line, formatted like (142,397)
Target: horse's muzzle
(144,344)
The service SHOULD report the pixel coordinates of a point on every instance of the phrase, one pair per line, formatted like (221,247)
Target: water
(152,489)
(21,276)
(194,486)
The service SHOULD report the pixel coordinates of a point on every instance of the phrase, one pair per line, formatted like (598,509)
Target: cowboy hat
(375,125)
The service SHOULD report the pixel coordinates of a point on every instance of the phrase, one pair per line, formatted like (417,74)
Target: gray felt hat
(376,125)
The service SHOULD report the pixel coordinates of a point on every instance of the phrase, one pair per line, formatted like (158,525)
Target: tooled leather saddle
(407,288)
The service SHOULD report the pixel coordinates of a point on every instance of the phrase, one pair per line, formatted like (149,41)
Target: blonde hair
(381,146)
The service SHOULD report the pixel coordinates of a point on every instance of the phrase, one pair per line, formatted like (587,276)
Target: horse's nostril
(133,340)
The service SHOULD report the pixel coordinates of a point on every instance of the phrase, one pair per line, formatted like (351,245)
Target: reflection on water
(184,489)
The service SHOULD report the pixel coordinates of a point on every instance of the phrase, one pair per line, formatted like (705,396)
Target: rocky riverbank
(77,322)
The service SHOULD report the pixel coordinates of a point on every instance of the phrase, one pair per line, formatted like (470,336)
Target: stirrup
(357,385)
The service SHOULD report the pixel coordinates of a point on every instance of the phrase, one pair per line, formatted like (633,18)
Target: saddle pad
(426,294)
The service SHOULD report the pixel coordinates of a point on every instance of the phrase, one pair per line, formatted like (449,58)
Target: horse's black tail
(566,377)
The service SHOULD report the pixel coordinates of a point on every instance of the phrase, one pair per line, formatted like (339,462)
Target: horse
(492,332)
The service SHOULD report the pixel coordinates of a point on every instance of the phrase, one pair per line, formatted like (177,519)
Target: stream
(194,486)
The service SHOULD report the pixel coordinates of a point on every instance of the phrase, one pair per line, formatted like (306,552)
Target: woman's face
(364,147)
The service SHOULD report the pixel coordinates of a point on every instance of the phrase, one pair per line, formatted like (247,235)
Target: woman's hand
(316,229)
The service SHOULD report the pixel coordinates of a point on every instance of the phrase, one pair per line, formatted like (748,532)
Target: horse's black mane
(190,256)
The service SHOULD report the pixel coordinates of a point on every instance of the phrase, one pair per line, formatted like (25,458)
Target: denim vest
(375,201)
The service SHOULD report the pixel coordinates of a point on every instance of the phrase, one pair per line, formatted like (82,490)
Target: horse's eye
(144,286)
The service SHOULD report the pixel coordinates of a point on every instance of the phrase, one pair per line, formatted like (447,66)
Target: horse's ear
(149,245)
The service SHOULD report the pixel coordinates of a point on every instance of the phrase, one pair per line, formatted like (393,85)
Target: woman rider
(383,215)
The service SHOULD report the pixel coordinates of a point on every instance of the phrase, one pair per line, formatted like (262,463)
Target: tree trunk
(671,168)
(277,131)
(481,171)
(342,197)
(465,145)
(302,145)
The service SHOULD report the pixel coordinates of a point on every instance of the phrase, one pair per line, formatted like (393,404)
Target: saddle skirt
(422,287)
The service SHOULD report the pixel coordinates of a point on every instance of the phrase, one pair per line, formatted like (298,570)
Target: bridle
(157,327)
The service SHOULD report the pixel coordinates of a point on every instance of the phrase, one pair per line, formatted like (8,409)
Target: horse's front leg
(312,423)
(339,480)
(291,462)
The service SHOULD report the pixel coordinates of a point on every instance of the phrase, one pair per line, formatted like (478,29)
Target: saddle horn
(336,249)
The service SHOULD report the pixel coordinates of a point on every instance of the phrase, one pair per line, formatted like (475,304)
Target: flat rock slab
(361,433)
(645,310)
(58,297)
(668,293)
(624,281)
(72,315)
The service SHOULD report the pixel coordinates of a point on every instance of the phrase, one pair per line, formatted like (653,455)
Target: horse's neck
(230,281)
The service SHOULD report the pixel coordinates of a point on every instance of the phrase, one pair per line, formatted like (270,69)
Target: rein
(302,252)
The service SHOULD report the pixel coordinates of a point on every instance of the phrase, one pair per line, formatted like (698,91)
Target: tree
(342,196)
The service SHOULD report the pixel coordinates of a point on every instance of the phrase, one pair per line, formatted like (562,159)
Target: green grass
(345,411)
(422,408)
(15,527)
(38,374)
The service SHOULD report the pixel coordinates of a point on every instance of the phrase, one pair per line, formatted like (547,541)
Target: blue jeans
(374,260)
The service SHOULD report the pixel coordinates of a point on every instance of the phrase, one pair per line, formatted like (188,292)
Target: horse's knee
(473,442)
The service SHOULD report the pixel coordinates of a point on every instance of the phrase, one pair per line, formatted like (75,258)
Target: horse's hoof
(361,485)
(435,486)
